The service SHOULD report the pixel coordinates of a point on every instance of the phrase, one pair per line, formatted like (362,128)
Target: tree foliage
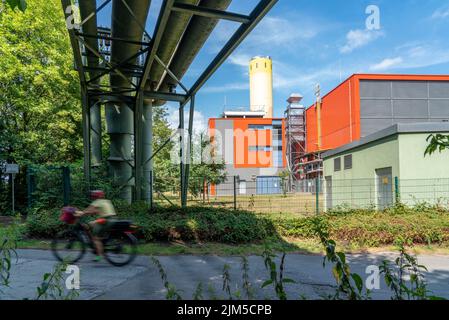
(166,172)
(39,101)
(21,4)
(437,142)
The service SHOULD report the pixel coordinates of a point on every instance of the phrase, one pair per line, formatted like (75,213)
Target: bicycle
(120,245)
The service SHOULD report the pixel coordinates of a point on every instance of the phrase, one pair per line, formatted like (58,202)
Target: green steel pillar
(235,192)
(128,17)
(30,186)
(317,195)
(120,127)
(95,123)
(188,153)
(138,138)
(86,137)
(147,152)
(182,154)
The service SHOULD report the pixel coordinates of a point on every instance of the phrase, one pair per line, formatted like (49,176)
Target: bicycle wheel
(120,249)
(68,246)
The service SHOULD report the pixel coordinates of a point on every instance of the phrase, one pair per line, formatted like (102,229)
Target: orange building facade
(367,103)
(253,149)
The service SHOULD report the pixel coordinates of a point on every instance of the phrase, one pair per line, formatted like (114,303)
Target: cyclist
(104,209)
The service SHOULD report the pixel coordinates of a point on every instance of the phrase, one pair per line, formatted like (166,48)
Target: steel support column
(96,138)
(182,154)
(188,155)
(86,136)
(138,114)
(84,94)
(147,152)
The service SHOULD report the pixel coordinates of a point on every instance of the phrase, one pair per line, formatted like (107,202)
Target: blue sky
(321,41)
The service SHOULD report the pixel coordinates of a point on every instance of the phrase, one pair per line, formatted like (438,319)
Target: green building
(387,166)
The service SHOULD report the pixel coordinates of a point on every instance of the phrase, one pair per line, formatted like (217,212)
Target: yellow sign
(385,180)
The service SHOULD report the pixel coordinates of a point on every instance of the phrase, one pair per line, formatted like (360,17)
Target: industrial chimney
(261,85)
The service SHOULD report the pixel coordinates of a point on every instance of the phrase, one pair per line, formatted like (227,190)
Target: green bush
(44,223)
(193,224)
(372,228)
(355,227)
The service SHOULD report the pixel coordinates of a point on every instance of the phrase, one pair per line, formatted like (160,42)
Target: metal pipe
(144,161)
(119,116)
(197,33)
(175,28)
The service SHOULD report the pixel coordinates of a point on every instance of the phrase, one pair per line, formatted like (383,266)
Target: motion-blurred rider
(104,209)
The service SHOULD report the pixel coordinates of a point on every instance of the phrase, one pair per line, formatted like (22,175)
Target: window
(278,159)
(348,162)
(337,164)
(260,148)
(259,127)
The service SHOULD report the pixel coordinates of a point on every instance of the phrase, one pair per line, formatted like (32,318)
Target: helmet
(97,194)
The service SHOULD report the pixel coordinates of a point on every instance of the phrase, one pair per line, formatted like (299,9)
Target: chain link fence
(43,186)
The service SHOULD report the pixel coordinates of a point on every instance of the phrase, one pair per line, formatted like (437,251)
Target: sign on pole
(12,169)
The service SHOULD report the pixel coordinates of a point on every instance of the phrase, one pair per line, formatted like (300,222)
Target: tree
(40,109)
(167,173)
(437,142)
(21,4)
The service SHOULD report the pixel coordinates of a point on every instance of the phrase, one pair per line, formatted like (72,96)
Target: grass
(298,204)
(219,249)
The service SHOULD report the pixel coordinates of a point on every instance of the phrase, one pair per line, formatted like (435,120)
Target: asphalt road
(141,280)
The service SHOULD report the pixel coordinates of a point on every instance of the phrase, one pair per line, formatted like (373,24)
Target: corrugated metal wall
(384,103)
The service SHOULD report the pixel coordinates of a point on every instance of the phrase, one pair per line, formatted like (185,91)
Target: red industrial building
(367,103)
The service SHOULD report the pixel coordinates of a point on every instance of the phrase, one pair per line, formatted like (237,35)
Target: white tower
(261,85)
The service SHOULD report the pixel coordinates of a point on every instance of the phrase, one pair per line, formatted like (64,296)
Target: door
(328,193)
(384,187)
(242,187)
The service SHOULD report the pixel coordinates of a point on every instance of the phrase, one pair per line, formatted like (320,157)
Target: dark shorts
(101,229)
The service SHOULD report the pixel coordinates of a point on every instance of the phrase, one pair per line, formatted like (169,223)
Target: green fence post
(235,192)
(31,185)
(66,185)
(397,195)
(151,190)
(317,195)
(29,188)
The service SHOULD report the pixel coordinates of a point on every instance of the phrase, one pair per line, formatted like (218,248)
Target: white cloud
(281,31)
(239,59)
(234,86)
(276,31)
(387,64)
(414,57)
(441,13)
(358,38)
(199,120)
